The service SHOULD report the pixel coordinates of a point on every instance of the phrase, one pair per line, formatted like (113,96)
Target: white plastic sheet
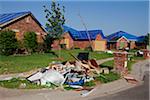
(52,76)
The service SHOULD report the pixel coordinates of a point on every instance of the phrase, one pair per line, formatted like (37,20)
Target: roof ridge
(16,12)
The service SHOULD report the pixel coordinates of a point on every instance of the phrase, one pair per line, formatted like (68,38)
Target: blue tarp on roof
(83,35)
(119,34)
(141,38)
(4,18)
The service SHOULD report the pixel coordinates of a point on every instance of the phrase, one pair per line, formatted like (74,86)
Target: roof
(83,35)
(8,18)
(115,36)
(141,38)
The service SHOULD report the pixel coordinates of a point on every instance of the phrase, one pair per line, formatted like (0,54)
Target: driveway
(137,93)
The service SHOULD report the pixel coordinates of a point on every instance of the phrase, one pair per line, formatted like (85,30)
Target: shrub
(8,42)
(30,41)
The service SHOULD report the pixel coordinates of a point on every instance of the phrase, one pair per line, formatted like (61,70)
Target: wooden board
(99,45)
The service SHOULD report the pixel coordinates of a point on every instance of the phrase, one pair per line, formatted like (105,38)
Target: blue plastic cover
(4,18)
(119,34)
(83,35)
(80,82)
(141,38)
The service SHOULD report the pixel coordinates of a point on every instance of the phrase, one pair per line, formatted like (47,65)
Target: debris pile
(73,73)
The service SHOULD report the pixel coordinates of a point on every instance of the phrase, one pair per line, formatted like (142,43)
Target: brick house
(20,23)
(121,40)
(80,39)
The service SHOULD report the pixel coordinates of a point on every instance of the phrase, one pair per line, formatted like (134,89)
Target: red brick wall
(66,35)
(71,42)
(99,37)
(84,44)
(75,44)
(146,54)
(81,44)
(119,61)
(26,24)
(132,45)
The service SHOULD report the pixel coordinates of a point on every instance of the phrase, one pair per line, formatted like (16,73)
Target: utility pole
(87,32)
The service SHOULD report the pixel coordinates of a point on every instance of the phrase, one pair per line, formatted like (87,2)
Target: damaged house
(82,39)
(20,23)
(122,40)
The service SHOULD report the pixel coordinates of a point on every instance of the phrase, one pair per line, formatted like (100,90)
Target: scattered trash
(76,86)
(86,92)
(140,53)
(52,76)
(109,52)
(105,70)
(22,86)
(130,79)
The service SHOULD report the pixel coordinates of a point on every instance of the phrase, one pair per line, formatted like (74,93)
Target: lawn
(106,78)
(17,82)
(18,64)
(108,64)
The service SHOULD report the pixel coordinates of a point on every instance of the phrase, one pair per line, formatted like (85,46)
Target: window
(18,34)
(28,20)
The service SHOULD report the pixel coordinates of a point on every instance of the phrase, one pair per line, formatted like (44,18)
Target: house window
(18,34)
(27,20)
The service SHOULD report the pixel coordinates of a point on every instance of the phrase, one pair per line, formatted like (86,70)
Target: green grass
(89,84)
(92,55)
(16,83)
(138,58)
(105,78)
(108,64)
(18,64)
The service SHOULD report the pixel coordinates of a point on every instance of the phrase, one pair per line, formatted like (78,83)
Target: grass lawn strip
(19,64)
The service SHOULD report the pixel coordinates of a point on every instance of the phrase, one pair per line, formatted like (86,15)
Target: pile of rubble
(73,73)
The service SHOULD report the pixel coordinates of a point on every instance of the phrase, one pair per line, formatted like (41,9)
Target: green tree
(147,39)
(30,41)
(48,42)
(8,42)
(55,21)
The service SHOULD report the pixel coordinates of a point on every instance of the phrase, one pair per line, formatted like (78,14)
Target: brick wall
(55,45)
(132,45)
(120,61)
(71,42)
(26,24)
(146,54)
(99,37)
(82,44)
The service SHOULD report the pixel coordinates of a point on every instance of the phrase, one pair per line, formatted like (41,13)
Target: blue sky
(110,16)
